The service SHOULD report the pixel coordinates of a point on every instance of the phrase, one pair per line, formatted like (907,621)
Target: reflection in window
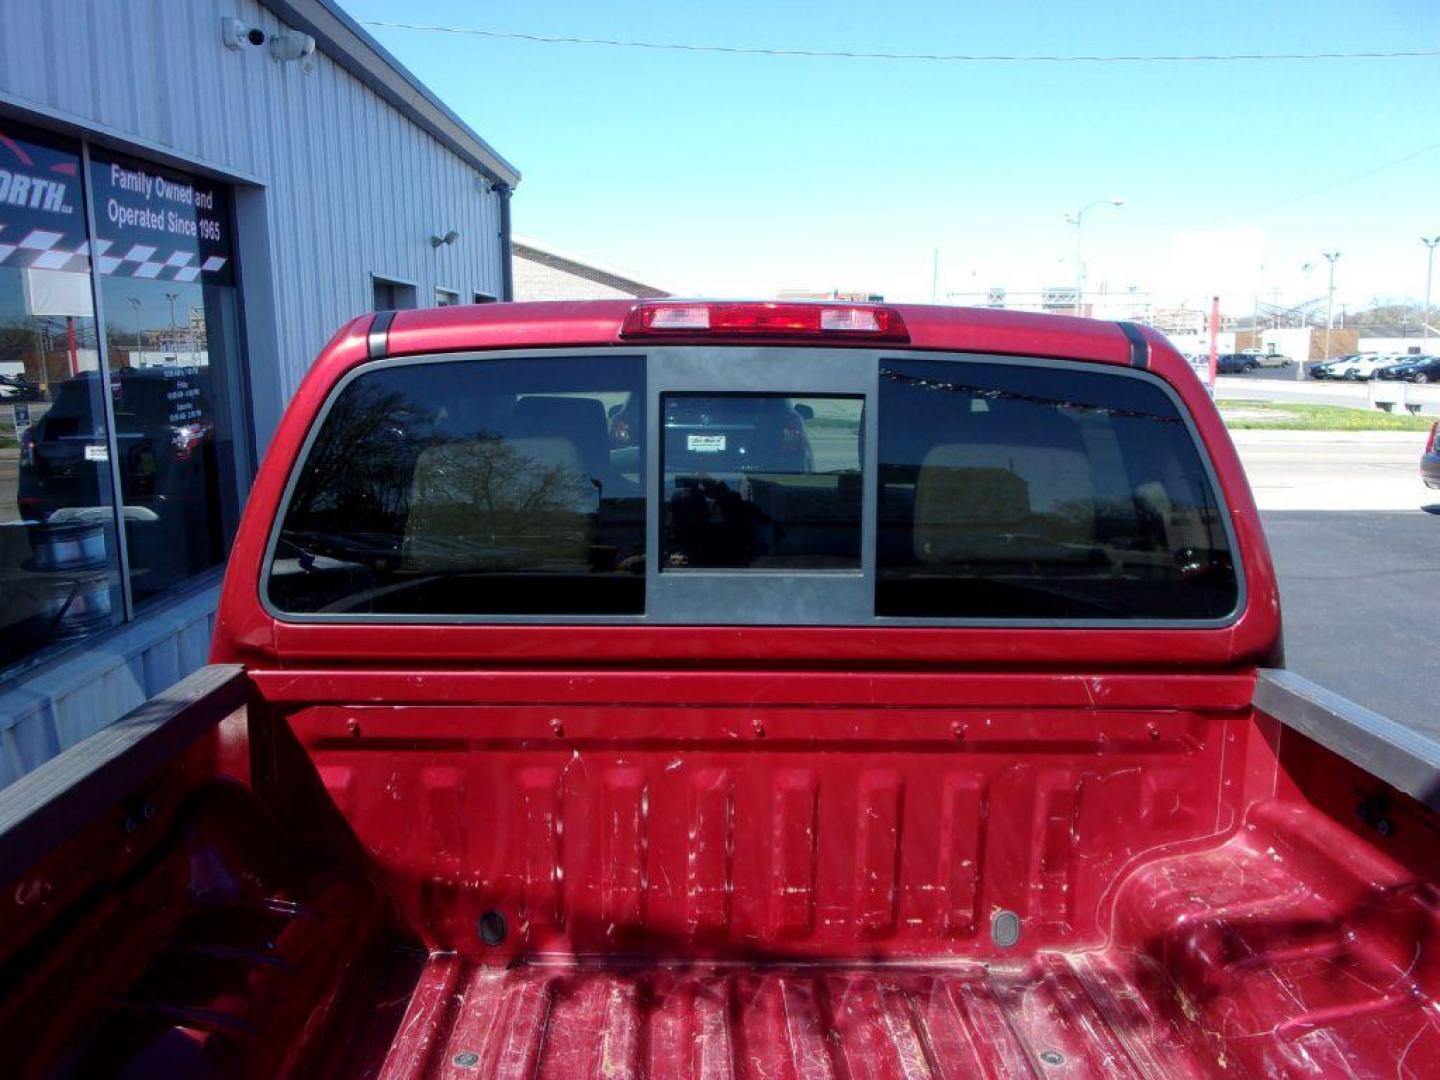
(1010,491)
(59,561)
(167,282)
(761,482)
(486,487)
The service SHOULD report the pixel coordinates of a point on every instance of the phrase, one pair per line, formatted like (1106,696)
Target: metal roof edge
(590,269)
(347,43)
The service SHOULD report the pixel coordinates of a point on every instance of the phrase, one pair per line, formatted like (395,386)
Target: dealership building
(191,204)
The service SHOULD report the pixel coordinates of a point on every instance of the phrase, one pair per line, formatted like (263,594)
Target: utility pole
(1330,257)
(1255,316)
(1430,243)
(935,277)
(1078,220)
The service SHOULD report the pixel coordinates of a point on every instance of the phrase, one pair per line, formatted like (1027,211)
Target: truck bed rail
(45,808)
(1405,759)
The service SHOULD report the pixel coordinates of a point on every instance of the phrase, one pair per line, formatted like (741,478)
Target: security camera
(291,45)
(237,35)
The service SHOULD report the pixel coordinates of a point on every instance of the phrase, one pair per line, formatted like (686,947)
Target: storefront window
(59,556)
(167,375)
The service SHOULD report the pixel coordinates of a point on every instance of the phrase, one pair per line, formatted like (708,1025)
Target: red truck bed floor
(1224,961)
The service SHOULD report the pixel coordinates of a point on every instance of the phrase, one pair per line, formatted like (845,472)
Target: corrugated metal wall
(354,187)
(351,188)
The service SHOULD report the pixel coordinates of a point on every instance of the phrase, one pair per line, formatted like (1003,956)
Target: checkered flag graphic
(42,249)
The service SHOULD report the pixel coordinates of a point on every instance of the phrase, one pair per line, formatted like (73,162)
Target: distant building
(542,272)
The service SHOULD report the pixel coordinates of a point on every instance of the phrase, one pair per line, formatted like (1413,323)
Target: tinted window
(472,487)
(1010,491)
(761,481)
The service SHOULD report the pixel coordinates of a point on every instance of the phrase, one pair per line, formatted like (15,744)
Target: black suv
(164,435)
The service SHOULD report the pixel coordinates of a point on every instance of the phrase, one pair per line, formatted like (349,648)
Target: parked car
(1364,368)
(1273,360)
(163,445)
(18,388)
(1022,793)
(1416,369)
(737,434)
(1236,363)
(1326,369)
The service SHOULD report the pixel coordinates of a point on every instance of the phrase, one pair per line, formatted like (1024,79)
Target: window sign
(42,218)
(154,225)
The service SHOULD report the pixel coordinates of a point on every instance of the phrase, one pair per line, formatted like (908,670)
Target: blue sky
(738,175)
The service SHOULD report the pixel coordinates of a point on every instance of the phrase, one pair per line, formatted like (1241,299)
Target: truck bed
(309,889)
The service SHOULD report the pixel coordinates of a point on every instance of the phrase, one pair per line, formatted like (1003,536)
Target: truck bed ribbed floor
(1058,1015)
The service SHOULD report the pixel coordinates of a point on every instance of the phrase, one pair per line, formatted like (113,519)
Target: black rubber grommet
(492,928)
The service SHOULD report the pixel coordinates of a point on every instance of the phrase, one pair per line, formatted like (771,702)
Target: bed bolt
(1052,1057)
(759,729)
(957,729)
(557,728)
(353,726)
(1154,733)
(467,1059)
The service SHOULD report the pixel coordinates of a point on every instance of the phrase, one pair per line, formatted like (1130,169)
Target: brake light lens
(1433,443)
(837,321)
(27,449)
(187,438)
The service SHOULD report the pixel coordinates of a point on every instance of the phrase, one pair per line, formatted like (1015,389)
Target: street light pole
(1430,243)
(1330,257)
(1078,220)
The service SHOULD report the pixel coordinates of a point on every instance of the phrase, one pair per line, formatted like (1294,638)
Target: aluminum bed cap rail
(1404,758)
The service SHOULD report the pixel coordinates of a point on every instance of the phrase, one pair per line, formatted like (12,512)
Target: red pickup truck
(735,690)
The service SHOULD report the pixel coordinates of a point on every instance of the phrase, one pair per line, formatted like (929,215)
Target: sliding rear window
(1013,491)
(479,487)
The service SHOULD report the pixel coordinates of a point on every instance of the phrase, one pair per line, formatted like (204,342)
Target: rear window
(1010,491)
(915,489)
(483,487)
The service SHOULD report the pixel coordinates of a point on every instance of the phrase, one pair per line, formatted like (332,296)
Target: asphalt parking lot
(1360,592)
(1356,540)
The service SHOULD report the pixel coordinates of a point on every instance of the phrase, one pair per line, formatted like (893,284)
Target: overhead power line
(1342,182)
(941,58)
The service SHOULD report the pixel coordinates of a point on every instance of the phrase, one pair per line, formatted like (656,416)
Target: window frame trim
(810,585)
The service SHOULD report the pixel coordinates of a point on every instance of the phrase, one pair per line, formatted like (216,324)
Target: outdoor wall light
(449,238)
(291,46)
